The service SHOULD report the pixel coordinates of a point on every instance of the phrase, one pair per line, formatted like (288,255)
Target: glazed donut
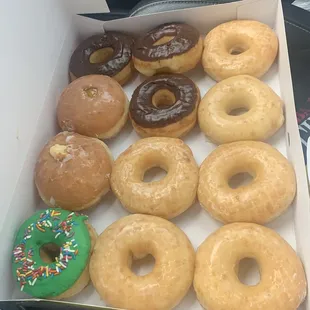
(239,47)
(169,48)
(263,118)
(44,235)
(164,105)
(282,283)
(107,54)
(93,105)
(134,237)
(166,198)
(73,171)
(270,193)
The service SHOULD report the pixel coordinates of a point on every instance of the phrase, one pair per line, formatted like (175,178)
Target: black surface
(297,24)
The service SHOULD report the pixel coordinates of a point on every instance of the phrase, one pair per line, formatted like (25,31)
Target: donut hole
(248,271)
(236,50)
(237,45)
(238,111)
(240,179)
(143,266)
(49,252)
(163,40)
(101,55)
(154,174)
(163,99)
(239,104)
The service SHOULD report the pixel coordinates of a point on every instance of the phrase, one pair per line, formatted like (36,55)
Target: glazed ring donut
(168,197)
(263,118)
(134,237)
(94,106)
(107,54)
(169,48)
(164,105)
(270,193)
(239,47)
(38,240)
(73,171)
(282,283)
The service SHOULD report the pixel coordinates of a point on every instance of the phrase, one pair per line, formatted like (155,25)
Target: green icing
(65,229)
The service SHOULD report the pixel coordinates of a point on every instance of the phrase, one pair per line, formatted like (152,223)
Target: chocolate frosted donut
(107,54)
(164,105)
(174,48)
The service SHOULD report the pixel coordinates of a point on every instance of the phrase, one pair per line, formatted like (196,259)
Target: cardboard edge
(28,302)
(301,204)
(248,10)
(25,188)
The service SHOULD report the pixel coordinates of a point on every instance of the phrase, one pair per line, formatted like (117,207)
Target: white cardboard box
(294,225)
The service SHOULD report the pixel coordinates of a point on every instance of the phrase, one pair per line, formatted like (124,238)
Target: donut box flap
(203,18)
(40,122)
(43,304)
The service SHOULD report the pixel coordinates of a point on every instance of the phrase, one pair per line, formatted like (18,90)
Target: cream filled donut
(167,197)
(73,171)
(239,47)
(93,105)
(270,193)
(282,283)
(106,54)
(164,106)
(263,110)
(169,48)
(133,237)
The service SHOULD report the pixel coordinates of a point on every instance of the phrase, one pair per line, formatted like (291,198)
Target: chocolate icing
(145,114)
(122,53)
(185,38)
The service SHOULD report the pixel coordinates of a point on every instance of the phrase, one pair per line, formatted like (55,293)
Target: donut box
(39,126)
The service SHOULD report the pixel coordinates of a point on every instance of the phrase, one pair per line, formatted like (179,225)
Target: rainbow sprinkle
(27,273)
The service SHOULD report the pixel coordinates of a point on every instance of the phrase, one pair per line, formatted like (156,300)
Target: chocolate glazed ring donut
(164,106)
(107,54)
(169,48)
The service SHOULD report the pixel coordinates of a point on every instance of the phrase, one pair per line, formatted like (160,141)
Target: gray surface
(149,7)
(305,4)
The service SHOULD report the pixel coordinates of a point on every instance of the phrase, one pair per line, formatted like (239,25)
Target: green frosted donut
(66,230)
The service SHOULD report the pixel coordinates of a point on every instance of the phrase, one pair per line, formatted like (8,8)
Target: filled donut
(73,171)
(262,107)
(107,54)
(134,237)
(164,105)
(239,47)
(51,254)
(282,285)
(93,105)
(270,192)
(169,48)
(167,197)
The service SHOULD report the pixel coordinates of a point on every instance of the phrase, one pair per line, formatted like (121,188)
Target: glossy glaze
(282,283)
(167,197)
(133,237)
(270,193)
(122,53)
(264,116)
(185,38)
(145,114)
(256,45)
